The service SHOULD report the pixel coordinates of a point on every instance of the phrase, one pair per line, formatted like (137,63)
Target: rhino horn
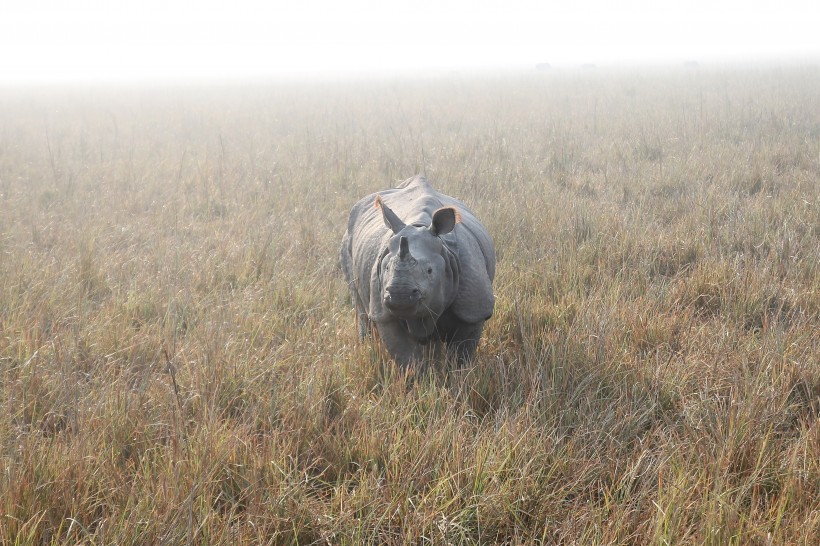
(404,248)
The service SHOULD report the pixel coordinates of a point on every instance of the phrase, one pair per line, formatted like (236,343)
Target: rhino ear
(390,218)
(444,220)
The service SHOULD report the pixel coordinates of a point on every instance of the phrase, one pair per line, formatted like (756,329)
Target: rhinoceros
(420,266)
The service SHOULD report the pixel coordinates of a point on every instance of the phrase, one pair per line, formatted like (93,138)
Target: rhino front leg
(461,337)
(402,347)
(362,321)
(464,342)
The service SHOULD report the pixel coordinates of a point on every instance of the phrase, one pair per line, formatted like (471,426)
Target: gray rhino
(420,266)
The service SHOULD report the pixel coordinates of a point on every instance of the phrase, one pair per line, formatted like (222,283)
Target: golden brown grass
(178,357)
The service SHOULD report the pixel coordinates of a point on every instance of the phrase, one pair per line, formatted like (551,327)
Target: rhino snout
(402,299)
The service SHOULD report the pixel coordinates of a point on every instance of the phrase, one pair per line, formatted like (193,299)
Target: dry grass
(178,360)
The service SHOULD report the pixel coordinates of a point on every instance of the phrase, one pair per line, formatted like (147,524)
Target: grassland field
(179,361)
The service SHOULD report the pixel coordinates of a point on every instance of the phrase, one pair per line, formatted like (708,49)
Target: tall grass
(178,355)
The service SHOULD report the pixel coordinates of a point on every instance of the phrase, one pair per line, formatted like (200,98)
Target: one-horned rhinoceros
(420,266)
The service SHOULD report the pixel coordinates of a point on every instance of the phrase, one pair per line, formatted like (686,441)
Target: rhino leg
(346,261)
(363,322)
(402,347)
(465,342)
(461,337)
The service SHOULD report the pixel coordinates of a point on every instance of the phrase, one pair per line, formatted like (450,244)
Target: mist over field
(179,360)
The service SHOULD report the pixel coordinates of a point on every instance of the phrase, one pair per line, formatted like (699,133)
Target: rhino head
(416,278)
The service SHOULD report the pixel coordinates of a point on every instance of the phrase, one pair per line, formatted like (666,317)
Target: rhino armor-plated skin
(420,267)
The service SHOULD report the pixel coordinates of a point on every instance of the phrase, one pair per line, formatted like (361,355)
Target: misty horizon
(92,41)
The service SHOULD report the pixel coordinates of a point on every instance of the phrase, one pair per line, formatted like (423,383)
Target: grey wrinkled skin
(420,267)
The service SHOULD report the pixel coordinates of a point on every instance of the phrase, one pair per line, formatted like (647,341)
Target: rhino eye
(429,270)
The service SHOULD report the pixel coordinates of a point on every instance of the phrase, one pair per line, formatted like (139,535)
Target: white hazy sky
(83,40)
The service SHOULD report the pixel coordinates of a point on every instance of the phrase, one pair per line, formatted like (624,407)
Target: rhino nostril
(406,297)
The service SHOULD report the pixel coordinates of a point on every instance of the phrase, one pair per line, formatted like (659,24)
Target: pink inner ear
(458,215)
(437,227)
